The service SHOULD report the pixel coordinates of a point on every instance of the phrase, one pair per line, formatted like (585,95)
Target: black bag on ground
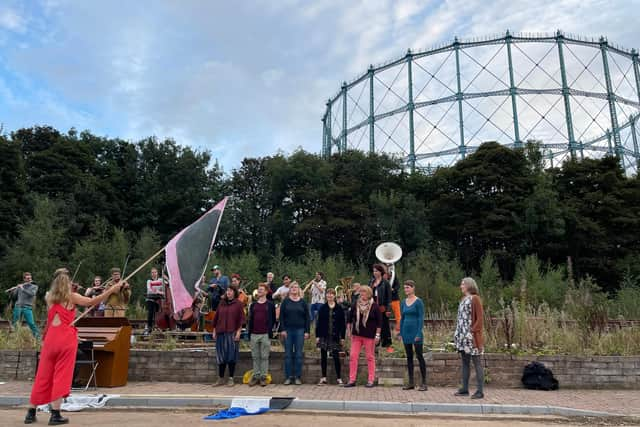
(536,376)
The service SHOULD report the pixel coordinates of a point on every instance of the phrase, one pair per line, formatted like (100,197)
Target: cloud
(12,21)
(243,79)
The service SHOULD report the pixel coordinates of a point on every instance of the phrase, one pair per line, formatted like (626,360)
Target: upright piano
(111,340)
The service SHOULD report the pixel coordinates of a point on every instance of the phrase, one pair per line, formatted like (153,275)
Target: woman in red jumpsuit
(58,355)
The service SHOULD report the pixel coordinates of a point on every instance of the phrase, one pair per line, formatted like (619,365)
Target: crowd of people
(362,317)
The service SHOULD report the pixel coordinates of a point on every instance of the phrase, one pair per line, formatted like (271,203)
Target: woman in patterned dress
(468,336)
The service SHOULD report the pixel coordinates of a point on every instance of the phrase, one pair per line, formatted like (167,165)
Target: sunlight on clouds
(241,79)
(12,21)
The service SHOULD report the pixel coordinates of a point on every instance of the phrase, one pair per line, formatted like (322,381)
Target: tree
(477,205)
(602,221)
(39,246)
(12,191)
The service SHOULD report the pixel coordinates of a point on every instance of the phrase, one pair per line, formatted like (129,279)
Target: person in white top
(155,292)
(283,291)
(318,288)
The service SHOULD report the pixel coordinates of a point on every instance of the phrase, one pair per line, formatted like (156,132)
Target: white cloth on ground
(75,403)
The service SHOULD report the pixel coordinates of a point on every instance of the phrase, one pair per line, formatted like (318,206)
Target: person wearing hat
(116,303)
(217,287)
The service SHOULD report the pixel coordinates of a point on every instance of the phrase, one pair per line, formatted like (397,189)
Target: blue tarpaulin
(225,414)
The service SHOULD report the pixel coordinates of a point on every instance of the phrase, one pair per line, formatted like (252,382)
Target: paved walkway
(623,402)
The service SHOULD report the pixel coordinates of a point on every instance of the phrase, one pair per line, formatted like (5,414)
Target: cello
(164,317)
(189,317)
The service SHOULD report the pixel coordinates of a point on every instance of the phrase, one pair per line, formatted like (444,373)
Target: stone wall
(17,365)
(501,370)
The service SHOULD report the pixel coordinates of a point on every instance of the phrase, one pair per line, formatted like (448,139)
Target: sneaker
(323,381)
(369,385)
(253,381)
(409,387)
(478,395)
(287,381)
(220,382)
(348,385)
(298,381)
(461,393)
(263,382)
(423,387)
(339,382)
(230,382)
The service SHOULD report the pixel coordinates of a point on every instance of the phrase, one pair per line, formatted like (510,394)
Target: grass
(18,339)
(540,331)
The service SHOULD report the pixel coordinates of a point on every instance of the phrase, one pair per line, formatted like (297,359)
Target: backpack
(536,376)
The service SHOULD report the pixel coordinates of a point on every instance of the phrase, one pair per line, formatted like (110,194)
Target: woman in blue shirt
(411,325)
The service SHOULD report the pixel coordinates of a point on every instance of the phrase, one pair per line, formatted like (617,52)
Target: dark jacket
(215,296)
(339,327)
(395,289)
(271,317)
(374,321)
(383,298)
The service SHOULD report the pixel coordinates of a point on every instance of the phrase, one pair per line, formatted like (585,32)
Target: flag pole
(151,258)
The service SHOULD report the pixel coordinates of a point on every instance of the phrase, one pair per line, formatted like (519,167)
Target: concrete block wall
(501,370)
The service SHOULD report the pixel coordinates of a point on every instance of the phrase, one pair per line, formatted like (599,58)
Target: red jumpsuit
(57,359)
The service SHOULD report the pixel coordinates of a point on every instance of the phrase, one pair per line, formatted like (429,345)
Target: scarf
(362,310)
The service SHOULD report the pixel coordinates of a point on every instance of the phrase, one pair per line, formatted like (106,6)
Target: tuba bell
(389,253)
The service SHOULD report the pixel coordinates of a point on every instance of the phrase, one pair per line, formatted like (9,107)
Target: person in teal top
(411,325)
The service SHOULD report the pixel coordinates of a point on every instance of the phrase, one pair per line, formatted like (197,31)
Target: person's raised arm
(87,302)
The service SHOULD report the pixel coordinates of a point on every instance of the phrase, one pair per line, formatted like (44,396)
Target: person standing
(411,333)
(382,297)
(219,279)
(236,281)
(116,304)
(262,317)
(282,292)
(318,289)
(25,295)
(365,321)
(294,328)
(271,285)
(468,337)
(155,292)
(227,325)
(59,347)
(395,296)
(95,290)
(330,334)
(215,292)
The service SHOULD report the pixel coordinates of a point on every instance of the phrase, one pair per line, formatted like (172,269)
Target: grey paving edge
(339,405)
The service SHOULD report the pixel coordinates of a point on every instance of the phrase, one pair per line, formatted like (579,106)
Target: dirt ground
(131,418)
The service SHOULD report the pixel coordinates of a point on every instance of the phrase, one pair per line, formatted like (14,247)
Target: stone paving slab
(623,402)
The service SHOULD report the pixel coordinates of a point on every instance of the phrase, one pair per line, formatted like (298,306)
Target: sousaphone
(389,253)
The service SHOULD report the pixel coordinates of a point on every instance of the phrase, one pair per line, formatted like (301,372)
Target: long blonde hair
(60,292)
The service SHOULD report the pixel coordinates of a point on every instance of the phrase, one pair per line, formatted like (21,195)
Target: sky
(237,78)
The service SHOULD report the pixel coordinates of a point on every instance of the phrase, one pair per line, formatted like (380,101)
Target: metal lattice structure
(577,96)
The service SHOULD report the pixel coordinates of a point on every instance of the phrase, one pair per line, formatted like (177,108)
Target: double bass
(164,317)
(189,317)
